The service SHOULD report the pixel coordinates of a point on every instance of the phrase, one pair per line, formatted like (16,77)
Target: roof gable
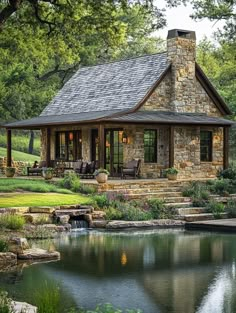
(112,86)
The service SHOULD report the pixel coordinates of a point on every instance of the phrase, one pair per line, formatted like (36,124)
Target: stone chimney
(181,52)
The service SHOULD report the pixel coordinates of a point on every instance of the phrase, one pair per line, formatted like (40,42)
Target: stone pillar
(181,52)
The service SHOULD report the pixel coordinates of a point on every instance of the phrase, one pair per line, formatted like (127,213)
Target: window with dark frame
(68,145)
(150,146)
(206,146)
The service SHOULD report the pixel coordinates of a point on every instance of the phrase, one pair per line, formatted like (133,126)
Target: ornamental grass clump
(158,210)
(47,298)
(5,303)
(11,221)
(230,208)
(223,187)
(198,192)
(71,181)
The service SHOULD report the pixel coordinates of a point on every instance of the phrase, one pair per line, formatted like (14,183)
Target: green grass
(33,185)
(36,199)
(20,156)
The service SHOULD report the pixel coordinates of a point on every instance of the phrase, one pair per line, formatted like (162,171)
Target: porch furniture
(77,166)
(132,169)
(36,170)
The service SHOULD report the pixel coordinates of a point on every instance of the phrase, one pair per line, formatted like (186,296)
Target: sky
(179,18)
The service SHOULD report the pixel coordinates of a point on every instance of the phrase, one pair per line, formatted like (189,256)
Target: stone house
(159,108)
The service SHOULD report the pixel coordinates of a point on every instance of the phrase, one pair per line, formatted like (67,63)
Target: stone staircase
(171,193)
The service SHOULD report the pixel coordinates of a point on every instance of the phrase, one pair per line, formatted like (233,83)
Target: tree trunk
(31,142)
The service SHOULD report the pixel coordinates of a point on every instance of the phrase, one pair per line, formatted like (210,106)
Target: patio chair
(36,170)
(132,169)
(77,166)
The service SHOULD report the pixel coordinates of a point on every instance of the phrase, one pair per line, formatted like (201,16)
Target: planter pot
(47,175)
(10,171)
(101,178)
(172,176)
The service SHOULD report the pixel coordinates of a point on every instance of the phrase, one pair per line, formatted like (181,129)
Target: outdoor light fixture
(70,136)
(124,138)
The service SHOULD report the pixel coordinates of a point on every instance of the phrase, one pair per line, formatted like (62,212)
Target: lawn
(36,199)
(33,185)
(20,156)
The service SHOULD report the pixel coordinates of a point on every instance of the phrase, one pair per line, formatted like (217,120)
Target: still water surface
(156,271)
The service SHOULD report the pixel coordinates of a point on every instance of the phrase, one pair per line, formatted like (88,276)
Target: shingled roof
(111,86)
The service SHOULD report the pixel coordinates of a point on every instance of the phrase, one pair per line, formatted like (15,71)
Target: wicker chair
(132,169)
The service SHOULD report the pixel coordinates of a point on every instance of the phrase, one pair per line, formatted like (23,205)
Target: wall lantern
(71,136)
(124,138)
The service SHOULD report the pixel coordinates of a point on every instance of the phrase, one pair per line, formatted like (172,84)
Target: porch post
(48,147)
(101,146)
(171,146)
(8,147)
(226,147)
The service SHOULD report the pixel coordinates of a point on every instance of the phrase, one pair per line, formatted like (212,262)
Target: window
(206,146)
(150,146)
(68,145)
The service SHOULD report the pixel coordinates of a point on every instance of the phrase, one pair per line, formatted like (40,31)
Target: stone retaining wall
(19,165)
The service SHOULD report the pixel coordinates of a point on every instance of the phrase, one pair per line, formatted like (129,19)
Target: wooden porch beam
(48,147)
(9,148)
(171,146)
(101,146)
(226,147)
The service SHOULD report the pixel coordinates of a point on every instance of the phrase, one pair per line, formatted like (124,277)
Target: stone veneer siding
(187,153)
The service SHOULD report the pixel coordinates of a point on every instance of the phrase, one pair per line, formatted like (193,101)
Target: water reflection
(156,271)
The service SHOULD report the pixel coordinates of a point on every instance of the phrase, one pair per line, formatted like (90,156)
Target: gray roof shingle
(111,86)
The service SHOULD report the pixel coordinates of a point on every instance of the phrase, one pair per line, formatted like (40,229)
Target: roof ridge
(122,60)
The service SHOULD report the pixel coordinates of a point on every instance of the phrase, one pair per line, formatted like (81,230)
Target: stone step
(179,205)
(201,217)
(174,200)
(191,210)
(73,212)
(160,194)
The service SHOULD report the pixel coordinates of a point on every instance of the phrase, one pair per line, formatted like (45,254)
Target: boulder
(8,257)
(42,209)
(38,254)
(99,224)
(69,207)
(63,219)
(86,207)
(98,215)
(19,307)
(163,223)
(18,245)
(38,218)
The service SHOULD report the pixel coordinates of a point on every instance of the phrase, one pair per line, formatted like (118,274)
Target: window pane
(206,146)
(150,146)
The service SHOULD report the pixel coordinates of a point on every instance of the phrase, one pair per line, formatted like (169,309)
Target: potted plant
(48,173)
(10,171)
(171,173)
(101,175)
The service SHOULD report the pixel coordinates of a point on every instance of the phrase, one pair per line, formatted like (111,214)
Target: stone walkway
(227,225)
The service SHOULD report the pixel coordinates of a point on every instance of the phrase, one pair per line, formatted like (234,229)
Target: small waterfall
(78,222)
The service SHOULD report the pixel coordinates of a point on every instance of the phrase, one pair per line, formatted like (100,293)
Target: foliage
(171,171)
(5,303)
(19,200)
(101,201)
(11,221)
(216,208)
(48,298)
(3,247)
(39,232)
(229,173)
(100,171)
(87,190)
(71,181)
(222,187)
(19,156)
(198,192)
(108,308)
(158,209)
(230,208)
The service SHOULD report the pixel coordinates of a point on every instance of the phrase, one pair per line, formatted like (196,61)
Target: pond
(155,271)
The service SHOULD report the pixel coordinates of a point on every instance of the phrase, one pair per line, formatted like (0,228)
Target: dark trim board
(228,225)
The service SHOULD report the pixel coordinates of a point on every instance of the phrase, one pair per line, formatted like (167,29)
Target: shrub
(11,221)
(87,190)
(71,181)
(198,202)
(48,298)
(3,246)
(132,213)
(101,201)
(39,232)
(230,208)
(158,209)
(216,208)
(196,190)
(229,173)
(5,303)
(113,214)
(222,187)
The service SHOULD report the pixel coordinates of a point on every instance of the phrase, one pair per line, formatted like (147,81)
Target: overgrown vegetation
(3,246)
(70,181)
(47,299)
(216,208)
(39,232)
(5,303)
(117,208)
(230,208)
(11,221)
(198,192)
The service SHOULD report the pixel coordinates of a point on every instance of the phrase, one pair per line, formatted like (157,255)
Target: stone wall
(187,153)
(19,165)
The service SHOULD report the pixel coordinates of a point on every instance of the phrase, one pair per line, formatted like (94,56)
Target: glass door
(113,151)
